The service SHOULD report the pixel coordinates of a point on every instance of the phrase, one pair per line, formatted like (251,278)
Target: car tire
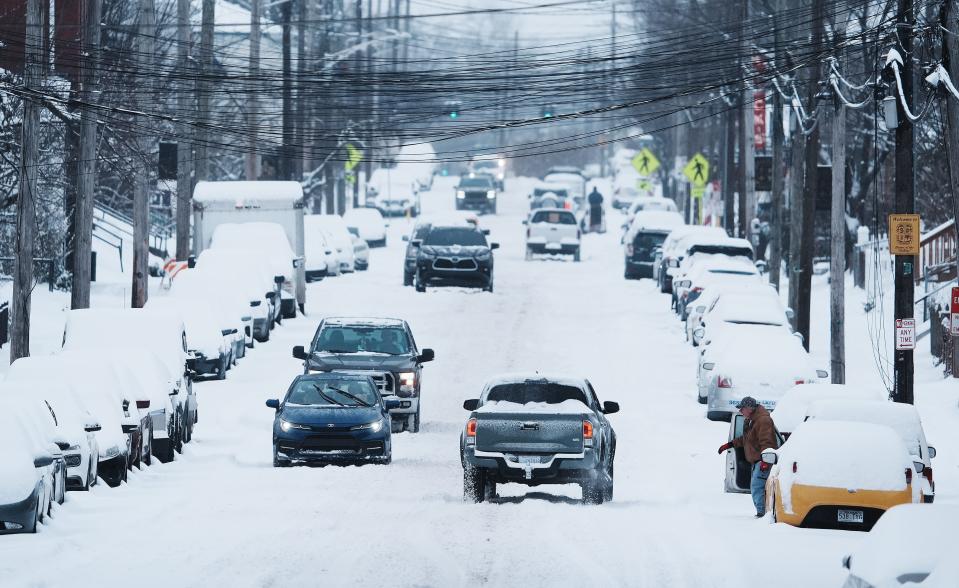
(628,274)
(418,284)
(608,488)
(489,287)
(221,371)
(700,399)
(529,254)
(593,490)
(474,484)
(415,421)
(407,278)
(576,255)
(178,441)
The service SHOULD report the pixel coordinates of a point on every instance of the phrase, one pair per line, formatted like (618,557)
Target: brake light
(798,382)
(908,475)
(471,428)
(587,430)
(725,382)
(795,466)
(697,289)
(567,205)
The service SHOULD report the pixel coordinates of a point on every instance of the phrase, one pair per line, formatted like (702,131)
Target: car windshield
(554,217)
(648,241)
(478,182)
(363,339)
(465,236)
(332,392)
(536,391)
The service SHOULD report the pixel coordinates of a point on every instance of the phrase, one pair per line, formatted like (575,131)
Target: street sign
(353,156)
(697,192)
(645,162)
(697,170)
(905,334)
(954,311)
(904,234)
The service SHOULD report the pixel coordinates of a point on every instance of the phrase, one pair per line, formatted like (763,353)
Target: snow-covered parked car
(339,236)
(644,239)
(25,491)
(674,249)
(534,429)
(839,474)
(552,231)
(758,304)
(395,191)
(269,241)
(792,408)
(901,418)
(210,345)
(368,224)
(237,278)
(163,333)
(204,293)
(321,259)
(712,270)
(762,361)
(909,546)
(44,436)
(361,253)
(37,377)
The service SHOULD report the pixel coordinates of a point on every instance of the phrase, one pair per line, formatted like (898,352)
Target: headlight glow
(491,194)
(287,426)
(407,380)
(460,194)
(375,427)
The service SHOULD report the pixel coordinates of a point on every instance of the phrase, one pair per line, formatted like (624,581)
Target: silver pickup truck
(532,430)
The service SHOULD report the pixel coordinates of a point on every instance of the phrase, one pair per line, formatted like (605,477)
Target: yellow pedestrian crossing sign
(645,162)
(697,170)
(353,156)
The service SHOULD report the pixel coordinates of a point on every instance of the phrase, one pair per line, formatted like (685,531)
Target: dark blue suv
(332,418)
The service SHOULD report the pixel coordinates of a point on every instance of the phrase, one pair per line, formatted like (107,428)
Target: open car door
(738,470)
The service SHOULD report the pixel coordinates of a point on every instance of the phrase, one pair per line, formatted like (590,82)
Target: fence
(50,265)
(942,345)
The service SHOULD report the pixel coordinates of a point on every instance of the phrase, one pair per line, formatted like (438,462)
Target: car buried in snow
(532,429)
(332,418)
(381,348)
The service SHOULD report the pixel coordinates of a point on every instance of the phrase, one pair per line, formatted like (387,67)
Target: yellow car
(839,474)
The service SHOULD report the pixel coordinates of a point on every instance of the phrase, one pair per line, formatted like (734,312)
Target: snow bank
(564,407)
(842,454)
(791,410)
(17,474)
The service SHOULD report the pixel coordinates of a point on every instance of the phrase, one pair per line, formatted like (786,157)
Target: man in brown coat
(759,434)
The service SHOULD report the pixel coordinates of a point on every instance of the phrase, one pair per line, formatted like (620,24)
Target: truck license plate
(850,516)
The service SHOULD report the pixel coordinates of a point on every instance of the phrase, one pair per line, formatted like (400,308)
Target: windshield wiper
(348,395)
(328,398)
(339,350)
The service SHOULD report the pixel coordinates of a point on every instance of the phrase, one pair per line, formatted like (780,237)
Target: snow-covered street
(221,515)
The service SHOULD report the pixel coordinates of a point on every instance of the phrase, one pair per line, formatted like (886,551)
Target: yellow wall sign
(904,236)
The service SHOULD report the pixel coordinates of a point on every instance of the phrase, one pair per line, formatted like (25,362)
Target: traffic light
(452,109)
(454,114)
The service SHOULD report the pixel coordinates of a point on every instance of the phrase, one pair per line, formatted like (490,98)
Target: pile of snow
(245,194)
(258,239)
(18,477)
(842,454)
(791,410)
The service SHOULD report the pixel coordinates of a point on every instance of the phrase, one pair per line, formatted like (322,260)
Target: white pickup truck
(552,231)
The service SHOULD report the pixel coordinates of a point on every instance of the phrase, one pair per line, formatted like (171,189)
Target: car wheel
(221,372)
(529,254)
(474,484)
(166,452)
(608,489)
(700,399)
(418,284)
(178,442)
(593,492)
(576,255)
(628,274)
(489,288)
(407,278)
(415,421)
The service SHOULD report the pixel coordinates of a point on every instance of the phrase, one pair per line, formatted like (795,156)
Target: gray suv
(382,348)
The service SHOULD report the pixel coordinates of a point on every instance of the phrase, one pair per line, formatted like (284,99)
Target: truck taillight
(471,428)
(725,382)
(587,430)
(795,466)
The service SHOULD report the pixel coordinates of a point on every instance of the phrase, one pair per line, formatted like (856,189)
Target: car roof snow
(358,321)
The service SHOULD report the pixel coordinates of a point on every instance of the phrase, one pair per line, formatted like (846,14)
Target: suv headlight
(375,426)
(491,194)
(407,381)
(287,426)
(460,194)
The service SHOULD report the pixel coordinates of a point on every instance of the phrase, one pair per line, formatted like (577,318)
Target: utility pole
(252,164)
(775,225)
(837,246)
(26,202)
(797,174)
(145,159)
(807,236)
(203,88)
(905,202)
(950,18)
(286,148)
(729,168)
(359,78)
(747,154)
(87,166)
(184,148)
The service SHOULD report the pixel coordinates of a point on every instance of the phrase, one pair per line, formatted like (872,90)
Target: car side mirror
(392,404)
(416,242)
(610,407)
(191,262)
(278,279)
(920,467)
(761,266)
(471,404)
(129,428)
(525,222)
(485,232)
(273,403)
(699,332)
(708,366)
(770,457)
(683,283)
(271,296)
(246,319)
(42,461)
(790,313)
(427,355)
(406,238)
(299,352)
(143,404)
(932,452)
(226,332)
(91,427)
(493,246)
(847,561)
(822,374)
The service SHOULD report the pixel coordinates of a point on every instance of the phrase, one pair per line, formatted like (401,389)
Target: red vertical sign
(954,311)
(759,120)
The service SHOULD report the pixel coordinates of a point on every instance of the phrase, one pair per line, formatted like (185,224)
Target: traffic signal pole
(905,202)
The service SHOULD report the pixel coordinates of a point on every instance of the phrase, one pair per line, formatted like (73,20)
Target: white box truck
(216,203)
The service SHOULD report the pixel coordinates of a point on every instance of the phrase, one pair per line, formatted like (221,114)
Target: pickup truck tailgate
(529,432)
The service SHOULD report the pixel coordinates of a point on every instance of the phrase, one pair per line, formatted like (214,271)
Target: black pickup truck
(532,430)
